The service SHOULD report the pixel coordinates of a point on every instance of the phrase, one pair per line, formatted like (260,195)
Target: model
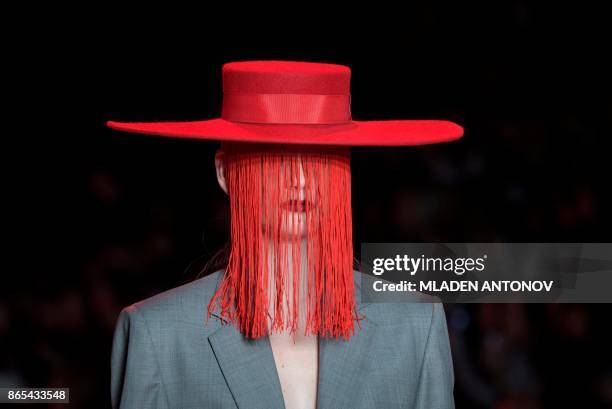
(283,325)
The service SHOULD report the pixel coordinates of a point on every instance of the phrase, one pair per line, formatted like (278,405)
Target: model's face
(294,200)
(286,198)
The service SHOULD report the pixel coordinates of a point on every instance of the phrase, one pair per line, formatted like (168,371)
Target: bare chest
(297,367)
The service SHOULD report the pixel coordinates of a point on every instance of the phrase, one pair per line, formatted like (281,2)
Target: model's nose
(302,181)
(297,180)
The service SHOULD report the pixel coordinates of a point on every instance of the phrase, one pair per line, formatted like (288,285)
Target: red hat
(297,103)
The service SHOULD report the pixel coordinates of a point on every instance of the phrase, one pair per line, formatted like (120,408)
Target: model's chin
(293,234)
(300,231)
(290,234)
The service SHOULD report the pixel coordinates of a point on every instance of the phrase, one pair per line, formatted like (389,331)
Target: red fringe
(277,257)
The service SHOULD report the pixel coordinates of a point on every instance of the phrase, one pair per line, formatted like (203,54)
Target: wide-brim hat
(292,102)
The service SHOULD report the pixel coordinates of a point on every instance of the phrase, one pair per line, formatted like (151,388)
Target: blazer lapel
(342,363)
(248,367)
(250,371)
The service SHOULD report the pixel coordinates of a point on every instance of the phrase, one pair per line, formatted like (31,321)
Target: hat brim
(354,133)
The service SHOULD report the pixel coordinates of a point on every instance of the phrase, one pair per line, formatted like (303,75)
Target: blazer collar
(250,371)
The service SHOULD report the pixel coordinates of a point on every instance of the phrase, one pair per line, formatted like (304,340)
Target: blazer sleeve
(436,380)
(135,378)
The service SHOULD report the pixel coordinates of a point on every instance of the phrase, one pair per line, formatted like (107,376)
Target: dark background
(105,219)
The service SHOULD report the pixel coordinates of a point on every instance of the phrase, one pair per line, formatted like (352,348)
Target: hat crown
(285,77)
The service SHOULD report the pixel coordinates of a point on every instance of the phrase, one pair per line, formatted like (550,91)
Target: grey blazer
(164,357)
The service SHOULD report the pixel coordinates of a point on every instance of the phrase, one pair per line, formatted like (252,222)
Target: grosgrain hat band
(287,108)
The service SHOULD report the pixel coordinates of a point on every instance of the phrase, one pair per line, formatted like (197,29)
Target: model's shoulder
(183,303)
(414,308)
